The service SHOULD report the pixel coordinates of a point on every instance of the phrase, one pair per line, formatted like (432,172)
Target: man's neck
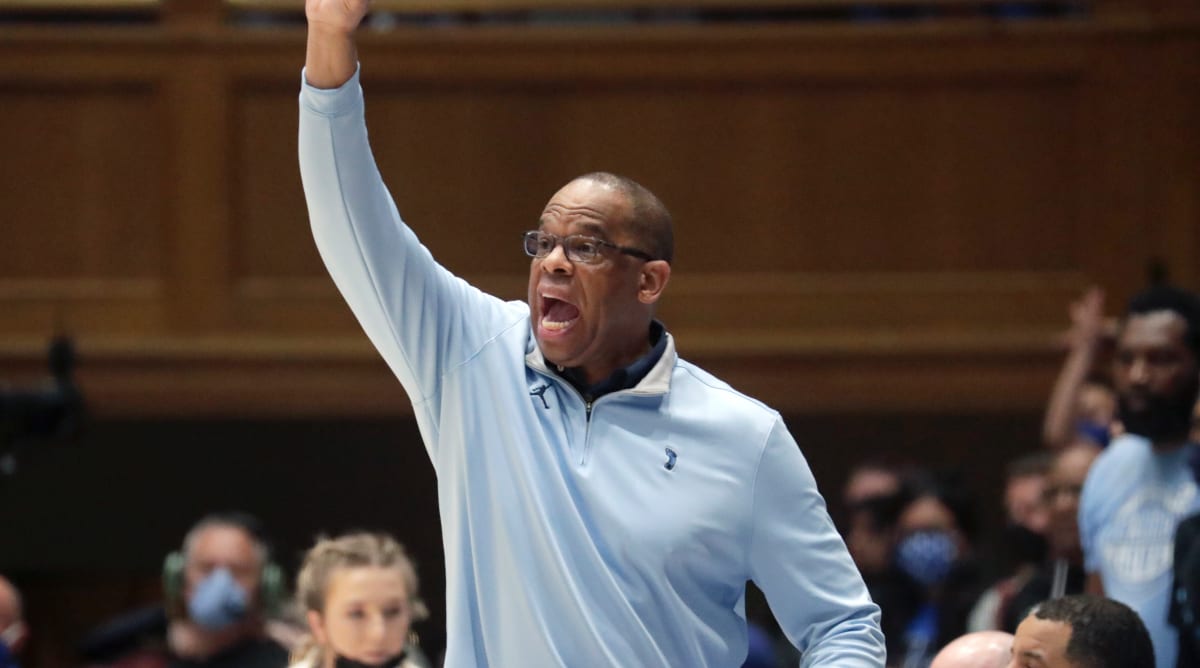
(596,373)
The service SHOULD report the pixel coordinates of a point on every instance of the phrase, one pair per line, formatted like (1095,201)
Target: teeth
(553,325)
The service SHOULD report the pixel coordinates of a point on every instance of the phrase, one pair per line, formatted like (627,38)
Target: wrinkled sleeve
(421,318)
(801,563)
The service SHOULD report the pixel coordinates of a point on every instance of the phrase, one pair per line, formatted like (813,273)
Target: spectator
(871,536)
(869,480)
(12,624)
(1063,572)
(1024,539)
(935,554)
(872,499)
(1082,631)
(360,595)
(981,649)
(1140,487)
(219,590)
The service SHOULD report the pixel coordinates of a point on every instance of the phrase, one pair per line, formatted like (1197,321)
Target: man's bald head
(982,649)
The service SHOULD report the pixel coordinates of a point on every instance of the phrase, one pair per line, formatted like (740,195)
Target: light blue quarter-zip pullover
(620,533)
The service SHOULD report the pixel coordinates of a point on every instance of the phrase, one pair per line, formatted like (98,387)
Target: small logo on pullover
(540,392)
(670,464)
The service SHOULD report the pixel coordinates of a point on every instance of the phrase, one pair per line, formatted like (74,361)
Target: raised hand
(339,16)
(332,56)
(1088,326)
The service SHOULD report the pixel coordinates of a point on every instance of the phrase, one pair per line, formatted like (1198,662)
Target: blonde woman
(359,595)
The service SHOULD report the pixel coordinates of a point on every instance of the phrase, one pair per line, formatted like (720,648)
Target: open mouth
(557,314)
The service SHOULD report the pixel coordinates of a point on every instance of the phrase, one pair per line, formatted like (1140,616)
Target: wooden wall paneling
(280,287)
(749,163)
(977,380)
(200,186)
(83,211)
(240,377)
(926,199)
(1121,228)
(1174,135)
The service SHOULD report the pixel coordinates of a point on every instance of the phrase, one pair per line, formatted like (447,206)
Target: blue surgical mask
(927,556)
(218,601)
(1094,431)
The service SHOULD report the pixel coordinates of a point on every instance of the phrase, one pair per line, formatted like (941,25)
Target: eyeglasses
(579,248)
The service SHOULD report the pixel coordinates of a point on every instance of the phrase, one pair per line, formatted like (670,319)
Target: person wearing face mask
(221,594)
(934,553)
(219,588)
(1140,487)
(360,596)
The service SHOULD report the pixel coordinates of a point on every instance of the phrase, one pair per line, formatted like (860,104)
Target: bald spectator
(982,649)
(12,624)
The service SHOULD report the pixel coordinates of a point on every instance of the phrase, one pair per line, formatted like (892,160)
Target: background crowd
(912,528)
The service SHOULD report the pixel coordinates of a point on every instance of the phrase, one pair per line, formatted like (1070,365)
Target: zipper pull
(588,406)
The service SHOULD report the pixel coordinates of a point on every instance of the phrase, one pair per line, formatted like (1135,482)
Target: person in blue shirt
(1140,487)
(603,502)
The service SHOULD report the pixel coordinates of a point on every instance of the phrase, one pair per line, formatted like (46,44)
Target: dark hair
(1104,633)
(1034,463)
(947,487)
(1180,302)
(882,511)
(651,222)
(247,523)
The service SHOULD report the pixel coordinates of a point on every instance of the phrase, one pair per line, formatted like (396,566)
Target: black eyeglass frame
(535,235)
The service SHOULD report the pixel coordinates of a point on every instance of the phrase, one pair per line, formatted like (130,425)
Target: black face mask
(1163,419)
(394,662)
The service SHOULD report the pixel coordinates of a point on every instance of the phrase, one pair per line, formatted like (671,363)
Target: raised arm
(1084,339)
(332,57)
(422,319)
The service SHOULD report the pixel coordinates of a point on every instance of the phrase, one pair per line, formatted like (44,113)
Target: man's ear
(653,280)
(316,624)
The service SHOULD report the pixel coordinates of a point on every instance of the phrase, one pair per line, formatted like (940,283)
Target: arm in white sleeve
(801,563)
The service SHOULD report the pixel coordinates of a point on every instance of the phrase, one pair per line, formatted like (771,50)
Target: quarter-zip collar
(648,375)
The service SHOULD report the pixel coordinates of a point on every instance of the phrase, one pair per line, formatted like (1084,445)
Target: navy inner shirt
(625,378)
